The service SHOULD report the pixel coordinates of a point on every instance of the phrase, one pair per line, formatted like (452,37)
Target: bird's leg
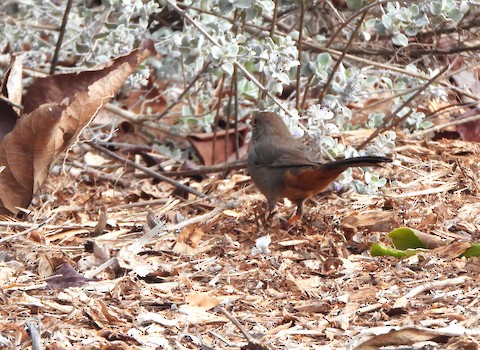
(298,214)
(270,213)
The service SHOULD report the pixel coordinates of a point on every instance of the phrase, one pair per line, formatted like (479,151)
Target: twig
(384,99)
(184,92)
(68,7)
(335,10)
(354,16)
(229,344)
(274,19)
(33,228)
(446,125)
(340,59)
(369,308)
(47,227)
(134,118)
(403,301)
(236,133)
(217,168)
(217,119)
(35,333)
(252,342)
(415,52)
(299,48)
(232,319)
(13,104)
(114,179)
(315,47)
(306,90)
(149,172)
(149,203)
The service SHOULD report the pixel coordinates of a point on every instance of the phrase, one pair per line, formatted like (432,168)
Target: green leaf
(228,68)
(379,27)
(410,31)
(455,14)
(400,39)
(233,50)
(371,80)
(325,59)
(387,21)
(414,10)
(464,7)
(421,21)
(354,4)
(473,251)
(378,249)
(216,53)
(405,238)
(308,69)
(225,6)
(253,12)
(186,111)
(199,62)
(81,48)
(242,4)
(436,8)
(388,82)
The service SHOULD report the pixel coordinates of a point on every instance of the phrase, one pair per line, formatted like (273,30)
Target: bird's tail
(357,161)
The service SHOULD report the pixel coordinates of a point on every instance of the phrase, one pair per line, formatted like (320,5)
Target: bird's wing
(281,155)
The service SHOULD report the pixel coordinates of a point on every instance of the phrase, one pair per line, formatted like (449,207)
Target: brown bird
(279,167)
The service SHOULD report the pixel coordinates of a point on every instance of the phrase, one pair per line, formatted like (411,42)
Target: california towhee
(279,167)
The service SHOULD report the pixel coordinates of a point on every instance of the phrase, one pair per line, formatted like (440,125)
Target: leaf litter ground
(198,285)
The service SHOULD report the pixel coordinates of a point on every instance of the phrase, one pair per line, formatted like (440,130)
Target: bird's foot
(269,215)
(286,225)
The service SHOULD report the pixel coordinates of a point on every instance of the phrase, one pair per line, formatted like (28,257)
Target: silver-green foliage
(407,20)
(93,34)
(96,34)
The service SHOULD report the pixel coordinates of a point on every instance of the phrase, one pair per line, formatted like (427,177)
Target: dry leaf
(214,152)
(196,315)
(66,276)
(406,336)
(57,108)
(202,300)
(93,159)
(131,261)
(12,83)
(146,318)
(191,235)
(375,220)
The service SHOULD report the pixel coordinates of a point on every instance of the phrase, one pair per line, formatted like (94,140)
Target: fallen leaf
(57,108)
(212,148)
(12,83)
(191,235)
(202,300)
(66,276)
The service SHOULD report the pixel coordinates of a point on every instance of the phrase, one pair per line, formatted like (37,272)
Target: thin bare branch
(340,59)
(389,121)
(61,34)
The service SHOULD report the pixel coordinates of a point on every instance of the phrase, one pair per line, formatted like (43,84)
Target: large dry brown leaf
(203,144)
(57,108)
